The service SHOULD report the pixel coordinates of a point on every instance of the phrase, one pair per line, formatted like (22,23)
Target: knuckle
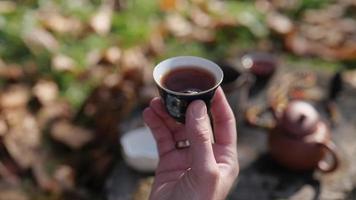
(203,135)
(202,132)
(234,171)
(213,175)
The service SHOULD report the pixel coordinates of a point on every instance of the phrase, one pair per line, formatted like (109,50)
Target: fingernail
(199,110)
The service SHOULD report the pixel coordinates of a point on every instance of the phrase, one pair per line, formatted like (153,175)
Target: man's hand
(204,170)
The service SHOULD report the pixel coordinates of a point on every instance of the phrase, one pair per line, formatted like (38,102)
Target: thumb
(199,133)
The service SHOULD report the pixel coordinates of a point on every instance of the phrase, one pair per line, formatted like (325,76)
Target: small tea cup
(177,102)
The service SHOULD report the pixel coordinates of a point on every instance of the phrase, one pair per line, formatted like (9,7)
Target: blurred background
(74,73)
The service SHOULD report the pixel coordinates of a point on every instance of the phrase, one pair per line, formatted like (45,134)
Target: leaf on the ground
(143,189)
(10,71)
(132,64)
(58,23)
(310,94)
(112,80)
(350,77)
(292,4)
(71,135)
(65,177)
(328,32)
(15,95)
(61,62)
(101,21)
(201,18)
(167,5)
(42,177)
(178,25)
(99,72)
(46,91)
(113,55)
(9,193)
(156,42)
(38,39)
(7,175)
(221,17)
(50,112)
(279,23)
(93,57)
(108,105)
(7,7)
(23,141)
(203,34)
(103,160)
(15,116)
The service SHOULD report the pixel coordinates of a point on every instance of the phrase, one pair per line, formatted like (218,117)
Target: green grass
(312,63)
(133,25)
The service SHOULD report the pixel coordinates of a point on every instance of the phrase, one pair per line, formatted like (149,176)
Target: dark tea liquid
(188,80)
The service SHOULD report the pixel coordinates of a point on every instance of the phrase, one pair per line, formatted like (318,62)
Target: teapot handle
(325,166)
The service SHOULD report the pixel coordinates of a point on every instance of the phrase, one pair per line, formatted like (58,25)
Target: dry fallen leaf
(178,26)
(167,5)
(112,55)
(93,57)
(12,193)
(15,95)
(14,116)
(46,91)
(327,32)
(99,72)
(39,39)
(50,112)
(203,34)
(7,6)
(65,177)
(132,64)
(201,18)
(73,136)
(101,21)
(108,104)
(112,80)
(263,6)
(280,4)
(279,23)
(143,189)
(62,62)
(23,141)
(43,178)
(7,175)
(10,71)
(350,77)
(58,23)
(156,42)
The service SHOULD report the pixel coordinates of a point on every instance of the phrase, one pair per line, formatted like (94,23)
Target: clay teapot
(300,140)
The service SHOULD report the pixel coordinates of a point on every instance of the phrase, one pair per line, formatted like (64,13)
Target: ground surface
(260,177)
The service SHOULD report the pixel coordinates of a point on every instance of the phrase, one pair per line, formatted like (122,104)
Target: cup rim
(211,64)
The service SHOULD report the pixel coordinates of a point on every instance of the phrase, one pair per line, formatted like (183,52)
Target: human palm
(204,170)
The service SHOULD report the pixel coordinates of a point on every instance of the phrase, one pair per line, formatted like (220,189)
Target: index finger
(223,120)
(161,133)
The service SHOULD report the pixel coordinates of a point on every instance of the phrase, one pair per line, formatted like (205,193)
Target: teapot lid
(300,118)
